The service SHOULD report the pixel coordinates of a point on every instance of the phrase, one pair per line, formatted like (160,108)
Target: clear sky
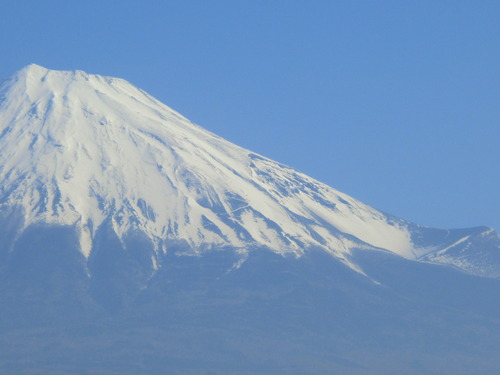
(396,103)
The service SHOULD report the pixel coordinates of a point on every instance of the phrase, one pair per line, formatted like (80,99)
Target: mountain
(86,151)
(131,235)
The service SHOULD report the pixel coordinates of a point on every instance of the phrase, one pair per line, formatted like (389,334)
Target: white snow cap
(81,149)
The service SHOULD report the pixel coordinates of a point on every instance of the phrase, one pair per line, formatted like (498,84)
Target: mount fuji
(134,237)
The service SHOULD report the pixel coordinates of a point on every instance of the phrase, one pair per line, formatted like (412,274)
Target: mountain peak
(33,66)
(32,69)
(36,75)
(35,71)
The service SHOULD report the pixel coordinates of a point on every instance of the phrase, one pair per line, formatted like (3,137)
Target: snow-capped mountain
(88,151)
(135,242)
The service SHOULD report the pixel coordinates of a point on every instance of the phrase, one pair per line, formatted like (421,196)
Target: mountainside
(87,151)
(135,242)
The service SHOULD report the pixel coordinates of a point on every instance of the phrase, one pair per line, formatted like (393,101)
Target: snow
(80,149)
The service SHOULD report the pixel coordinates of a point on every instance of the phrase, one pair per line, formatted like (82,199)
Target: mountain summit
(89,152)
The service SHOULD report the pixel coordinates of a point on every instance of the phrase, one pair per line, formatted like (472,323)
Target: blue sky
(396,103)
